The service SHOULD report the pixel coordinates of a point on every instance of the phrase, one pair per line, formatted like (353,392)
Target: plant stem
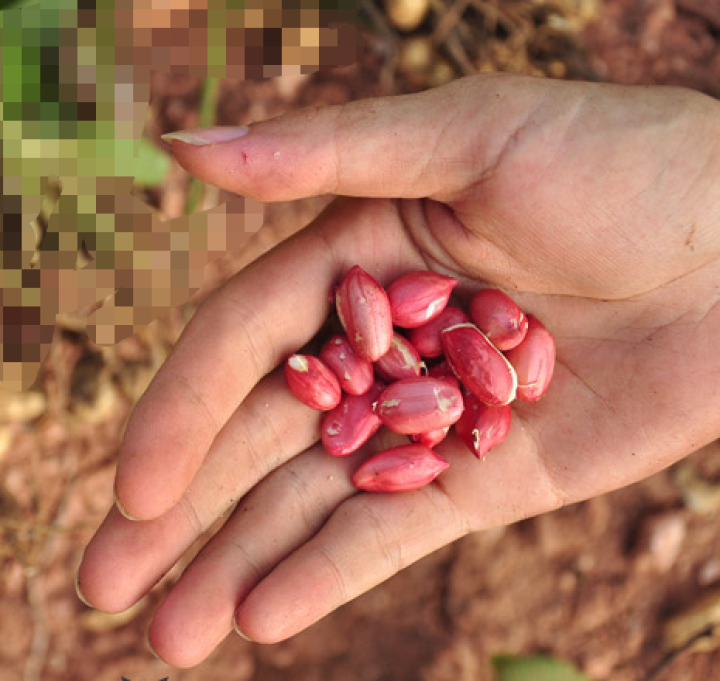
(208,105)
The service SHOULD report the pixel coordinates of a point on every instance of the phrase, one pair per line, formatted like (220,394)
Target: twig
(45,518)
(40,223)
(381,24)
(449,20)
(459,55)
(489,12)
(452,33)
(671,655)
(40,639)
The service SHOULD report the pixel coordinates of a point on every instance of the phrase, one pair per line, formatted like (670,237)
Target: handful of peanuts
(373,376)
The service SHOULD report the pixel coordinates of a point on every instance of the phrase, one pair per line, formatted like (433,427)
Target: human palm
(597,207)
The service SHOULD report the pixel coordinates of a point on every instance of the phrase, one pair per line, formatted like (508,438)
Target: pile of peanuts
(373,375)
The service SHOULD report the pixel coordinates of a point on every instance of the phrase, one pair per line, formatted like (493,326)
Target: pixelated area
(79,236)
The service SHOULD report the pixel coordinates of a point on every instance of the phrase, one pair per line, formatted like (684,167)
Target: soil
(663,42)
(595,584)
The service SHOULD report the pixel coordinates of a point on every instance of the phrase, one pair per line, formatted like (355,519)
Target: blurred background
(625,587)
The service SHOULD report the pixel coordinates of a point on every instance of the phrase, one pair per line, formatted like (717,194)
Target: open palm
(597,207)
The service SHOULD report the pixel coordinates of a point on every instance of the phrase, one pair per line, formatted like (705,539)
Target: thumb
(405,146)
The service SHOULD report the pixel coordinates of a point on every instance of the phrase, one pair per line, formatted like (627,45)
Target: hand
(596,206)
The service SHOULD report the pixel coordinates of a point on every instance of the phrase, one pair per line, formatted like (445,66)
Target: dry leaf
(699,495)
(697,628)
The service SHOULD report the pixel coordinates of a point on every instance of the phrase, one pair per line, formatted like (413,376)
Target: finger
(280,514)
(241,333)
(426,144)
(125,558)
(371,537)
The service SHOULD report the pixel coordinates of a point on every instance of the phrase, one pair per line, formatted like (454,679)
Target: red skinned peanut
(444,373)
(479,365)
(482,427)
(441,370)
(418,297)
(398,469)
(419,405)
(364,311)
(354,373)
(352,423)
(312,382)
(401,361)
(431,438)
(499,318)
(426,338)
(534,361)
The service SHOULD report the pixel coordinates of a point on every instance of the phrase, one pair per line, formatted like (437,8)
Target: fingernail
(149,645)
(78,591)
(123,512)
(201,137)
(240,632)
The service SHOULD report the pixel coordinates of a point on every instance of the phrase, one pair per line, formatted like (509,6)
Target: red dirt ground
(594,583)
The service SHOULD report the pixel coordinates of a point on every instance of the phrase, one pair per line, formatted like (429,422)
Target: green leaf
(151,165)
(12,4)
(534,668)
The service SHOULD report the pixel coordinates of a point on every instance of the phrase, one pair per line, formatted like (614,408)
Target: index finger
(243,331)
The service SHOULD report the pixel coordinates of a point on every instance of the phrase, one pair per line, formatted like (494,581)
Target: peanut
(398,469)
(364,311)
(417,297)
(312,382)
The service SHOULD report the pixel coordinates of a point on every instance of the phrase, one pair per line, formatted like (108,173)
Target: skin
(596,206)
